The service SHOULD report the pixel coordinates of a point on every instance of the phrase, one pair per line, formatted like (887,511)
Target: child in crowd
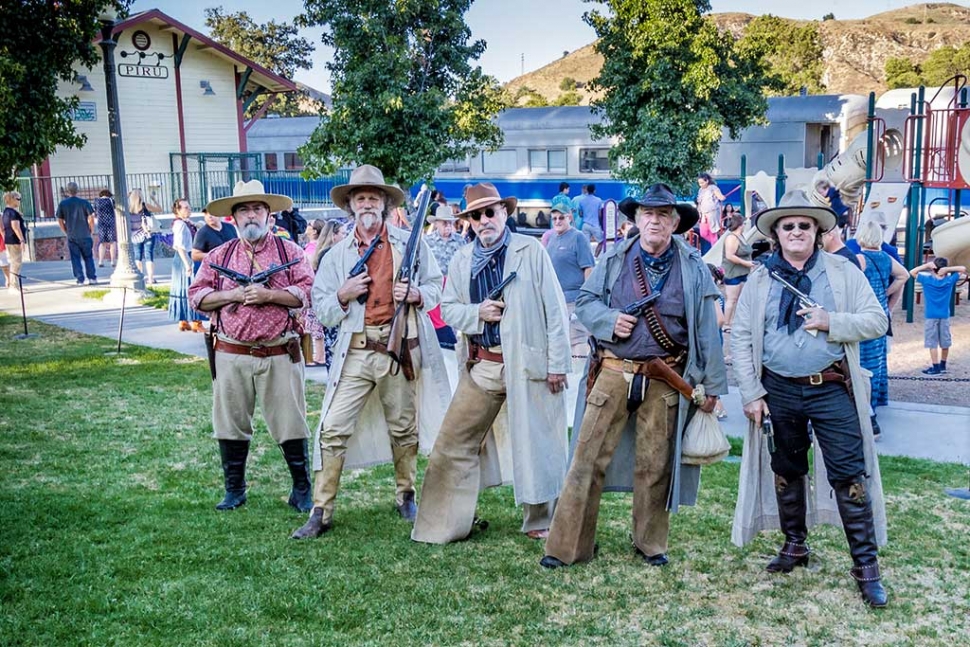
(938,281)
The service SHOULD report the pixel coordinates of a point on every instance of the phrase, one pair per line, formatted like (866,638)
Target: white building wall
(149,111)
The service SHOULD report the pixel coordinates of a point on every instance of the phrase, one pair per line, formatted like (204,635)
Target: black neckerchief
(788,304)
(657,267)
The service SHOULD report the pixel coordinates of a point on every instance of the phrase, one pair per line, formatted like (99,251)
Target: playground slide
(890,199)
(952,241)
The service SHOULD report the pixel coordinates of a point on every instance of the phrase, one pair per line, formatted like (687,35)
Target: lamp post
(126,275)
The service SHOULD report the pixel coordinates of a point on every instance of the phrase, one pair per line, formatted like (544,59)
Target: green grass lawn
(108,477)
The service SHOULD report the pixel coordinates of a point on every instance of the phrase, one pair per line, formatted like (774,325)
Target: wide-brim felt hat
(251,191)
(481,196)
(366,177)
(661,195)
(442,213)
(796,203)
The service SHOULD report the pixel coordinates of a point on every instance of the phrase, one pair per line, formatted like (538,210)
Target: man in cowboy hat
(798,360)
(443,242)
(256,347)
(528,320)
(678,331)
(370,397)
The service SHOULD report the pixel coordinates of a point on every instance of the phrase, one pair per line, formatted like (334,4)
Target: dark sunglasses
(790,226)
(554,218)
(477,215)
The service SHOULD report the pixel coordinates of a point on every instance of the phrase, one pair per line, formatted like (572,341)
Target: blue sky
(521,34)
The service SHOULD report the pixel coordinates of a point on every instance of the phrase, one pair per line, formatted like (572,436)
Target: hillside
(855,51)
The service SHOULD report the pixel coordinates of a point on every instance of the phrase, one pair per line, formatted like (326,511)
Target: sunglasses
(790,226)
(555,218)
(477,215)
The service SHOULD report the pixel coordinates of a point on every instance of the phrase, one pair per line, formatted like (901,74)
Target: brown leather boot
(855,508)
(326,482)
(405,472)
(791,514)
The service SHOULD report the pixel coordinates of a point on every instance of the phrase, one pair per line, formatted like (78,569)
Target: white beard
(369,220)
(253,232)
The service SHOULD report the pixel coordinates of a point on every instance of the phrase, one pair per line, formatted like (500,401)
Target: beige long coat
(858,317)
(530,430)
(369,443)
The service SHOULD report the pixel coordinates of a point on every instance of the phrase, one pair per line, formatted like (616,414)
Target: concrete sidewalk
(909,429)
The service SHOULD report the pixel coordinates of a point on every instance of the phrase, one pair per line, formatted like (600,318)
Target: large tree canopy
(40,41)
(276,46)
(939,67)
(794,54)
(671,82)
(405,95)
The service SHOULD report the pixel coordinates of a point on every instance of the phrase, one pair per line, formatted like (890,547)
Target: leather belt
(382,348)
(621,365)
(831,373)
(223,346)
(476,352)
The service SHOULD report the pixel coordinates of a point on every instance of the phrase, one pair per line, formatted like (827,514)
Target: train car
(546,146)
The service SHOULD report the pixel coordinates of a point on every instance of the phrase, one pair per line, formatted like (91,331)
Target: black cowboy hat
(661,195)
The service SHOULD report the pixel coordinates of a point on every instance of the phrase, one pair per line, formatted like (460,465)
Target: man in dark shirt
(75,216)
(832,243)
(213,233)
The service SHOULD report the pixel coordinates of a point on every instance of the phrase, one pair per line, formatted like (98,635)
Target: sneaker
(92,281)
(943,369)
(80,281)
(933,370)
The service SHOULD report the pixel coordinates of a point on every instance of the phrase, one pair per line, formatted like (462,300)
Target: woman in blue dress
(183,233)
(886,280)
(104,211)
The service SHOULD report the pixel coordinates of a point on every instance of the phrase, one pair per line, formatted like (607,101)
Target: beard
(369,220)
(253,231)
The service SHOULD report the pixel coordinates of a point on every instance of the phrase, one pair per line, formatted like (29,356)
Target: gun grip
(362,299)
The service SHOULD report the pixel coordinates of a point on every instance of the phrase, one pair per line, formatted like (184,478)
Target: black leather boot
(855,508)
(234,454)
(295,453)
(791,514)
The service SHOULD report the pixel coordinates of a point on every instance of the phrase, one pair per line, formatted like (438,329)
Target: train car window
(503,161)
(544,160)
(271,162)
(456,166)
(292,162)
(594,160)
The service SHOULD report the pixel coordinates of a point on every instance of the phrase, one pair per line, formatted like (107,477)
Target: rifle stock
(396,344)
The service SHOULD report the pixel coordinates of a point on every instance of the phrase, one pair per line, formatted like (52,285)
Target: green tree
(276,46)
(40,44)
(944,63)
(568,84)
(793,51)
(902,73)
(671,81)
(828,16)
(570,98)
(406,97)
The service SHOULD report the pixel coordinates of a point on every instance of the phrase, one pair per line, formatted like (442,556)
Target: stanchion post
(23,309)
(121,319)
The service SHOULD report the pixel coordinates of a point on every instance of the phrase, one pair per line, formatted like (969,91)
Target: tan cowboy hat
(251,191)
(442,213)
(369,177)
(796,203)
(484,195)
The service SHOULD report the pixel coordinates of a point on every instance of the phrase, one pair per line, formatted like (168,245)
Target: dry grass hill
(855,51)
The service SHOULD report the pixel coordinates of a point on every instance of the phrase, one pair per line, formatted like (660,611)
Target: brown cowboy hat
(480,196)
(796,203)
(251,191)
(661,195)
(366,177)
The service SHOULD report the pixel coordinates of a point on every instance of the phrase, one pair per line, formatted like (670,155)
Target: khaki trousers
(577,333)
(16,255)
(573,531)
(449,495)
(276,382)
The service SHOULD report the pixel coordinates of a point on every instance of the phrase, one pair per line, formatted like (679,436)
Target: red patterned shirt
(258,323)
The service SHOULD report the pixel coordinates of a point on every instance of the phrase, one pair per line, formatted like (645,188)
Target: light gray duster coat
(705,360)
(528,438)
(858,317)
(370,443)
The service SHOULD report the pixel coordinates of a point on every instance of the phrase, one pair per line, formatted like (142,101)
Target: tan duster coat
(369,444)
(858,317)
(530,430)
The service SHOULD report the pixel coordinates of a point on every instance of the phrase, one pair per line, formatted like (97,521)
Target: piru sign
(143,71)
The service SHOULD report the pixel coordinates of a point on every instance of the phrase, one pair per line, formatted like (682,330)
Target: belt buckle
(257,351)
(815,379)
(629,366)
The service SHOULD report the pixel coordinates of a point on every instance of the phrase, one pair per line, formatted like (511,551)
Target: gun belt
(223,346)
(620,365)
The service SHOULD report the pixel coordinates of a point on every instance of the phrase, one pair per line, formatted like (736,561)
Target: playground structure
(905,162)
